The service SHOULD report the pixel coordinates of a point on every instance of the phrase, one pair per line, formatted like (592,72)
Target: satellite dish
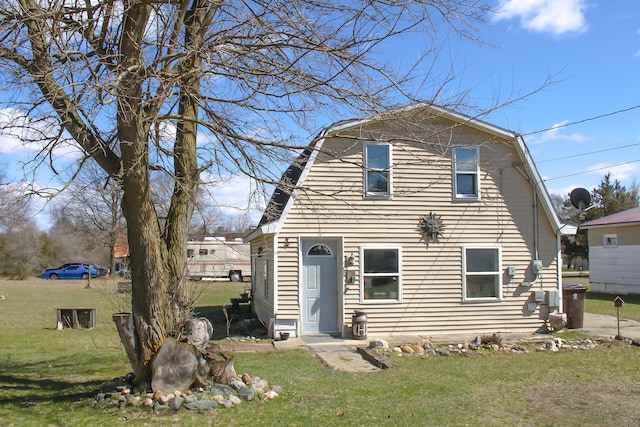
(580,198)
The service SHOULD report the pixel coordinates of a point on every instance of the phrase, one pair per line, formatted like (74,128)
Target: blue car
(70,271)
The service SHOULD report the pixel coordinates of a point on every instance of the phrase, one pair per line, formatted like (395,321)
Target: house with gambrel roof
(425,220)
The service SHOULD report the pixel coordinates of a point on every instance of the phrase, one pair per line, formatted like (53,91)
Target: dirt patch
(587,402)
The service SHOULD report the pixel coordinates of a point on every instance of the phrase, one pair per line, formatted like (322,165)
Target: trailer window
(203,252)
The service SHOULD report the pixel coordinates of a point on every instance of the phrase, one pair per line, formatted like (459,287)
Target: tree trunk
(220,361)
(127,333)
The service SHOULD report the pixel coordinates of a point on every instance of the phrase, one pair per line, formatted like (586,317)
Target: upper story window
(466,173)
(377,169)
(189,253)
(610,240)
(481,276)
(203,252)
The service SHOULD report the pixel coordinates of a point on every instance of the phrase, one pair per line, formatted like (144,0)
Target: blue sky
(591,51)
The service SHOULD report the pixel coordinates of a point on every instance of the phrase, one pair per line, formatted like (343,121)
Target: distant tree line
(608,198)
(86,224)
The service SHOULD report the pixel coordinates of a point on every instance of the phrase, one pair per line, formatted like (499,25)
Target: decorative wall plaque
(430,228)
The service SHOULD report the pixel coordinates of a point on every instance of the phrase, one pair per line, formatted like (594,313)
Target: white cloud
(554,16)
(23,136)
(623,172)
(235,195)
(555,134)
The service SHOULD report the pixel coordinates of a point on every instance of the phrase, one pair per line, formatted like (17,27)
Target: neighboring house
(614,252)
(427,220)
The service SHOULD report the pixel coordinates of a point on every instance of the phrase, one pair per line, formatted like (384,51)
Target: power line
(560,126)
(592,170)
(587,154)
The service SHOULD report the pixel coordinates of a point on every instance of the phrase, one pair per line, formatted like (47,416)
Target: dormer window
(466,173)
(377,169)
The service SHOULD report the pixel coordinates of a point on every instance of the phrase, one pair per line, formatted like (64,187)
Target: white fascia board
(617,224)
(263,230)
(530,166)
(275,226)
(568,229)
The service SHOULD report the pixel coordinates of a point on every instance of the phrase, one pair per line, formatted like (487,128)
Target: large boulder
(176,366)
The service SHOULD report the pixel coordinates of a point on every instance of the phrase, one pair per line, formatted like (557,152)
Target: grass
(599,303)
(49,377)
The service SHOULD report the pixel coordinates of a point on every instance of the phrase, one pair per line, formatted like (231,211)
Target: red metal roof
(628,217)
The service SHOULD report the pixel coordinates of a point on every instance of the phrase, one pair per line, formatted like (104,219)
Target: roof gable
(293,178)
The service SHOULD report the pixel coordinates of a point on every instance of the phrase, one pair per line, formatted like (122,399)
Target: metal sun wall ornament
(430,228)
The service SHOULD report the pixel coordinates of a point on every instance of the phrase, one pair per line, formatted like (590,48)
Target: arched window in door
(319,250)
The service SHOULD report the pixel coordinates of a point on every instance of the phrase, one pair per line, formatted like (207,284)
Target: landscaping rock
(204,405)
(270,395)
(443,352)
(406,349)
(258,385)
(221,389)
(379,343)
(237,385)
(175,403)
(176,366)
(227,403)
(246,394)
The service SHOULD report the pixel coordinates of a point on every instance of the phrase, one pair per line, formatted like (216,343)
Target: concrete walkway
(340,354)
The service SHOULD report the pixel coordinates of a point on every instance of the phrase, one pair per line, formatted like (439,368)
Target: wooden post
(126,330)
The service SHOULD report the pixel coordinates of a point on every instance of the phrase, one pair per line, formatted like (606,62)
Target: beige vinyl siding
(629,235)
(615,270)
(264,307)
(332,204)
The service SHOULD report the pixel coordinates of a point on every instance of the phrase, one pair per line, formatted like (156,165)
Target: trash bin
(573,296)
(359,325)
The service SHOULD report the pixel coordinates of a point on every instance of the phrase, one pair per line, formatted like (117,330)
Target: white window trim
(362,274)
(464,274)
(374,195)
(612,236)
(457,196)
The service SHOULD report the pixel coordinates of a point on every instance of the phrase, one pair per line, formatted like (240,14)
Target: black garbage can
(573,296)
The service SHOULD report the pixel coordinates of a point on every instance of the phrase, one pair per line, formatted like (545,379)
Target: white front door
(319,286)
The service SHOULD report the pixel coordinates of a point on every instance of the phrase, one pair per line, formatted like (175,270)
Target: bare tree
(176,88)
(92,204)
(18,232)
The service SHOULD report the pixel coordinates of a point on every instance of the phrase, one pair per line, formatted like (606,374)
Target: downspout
(559,263)
(536,265)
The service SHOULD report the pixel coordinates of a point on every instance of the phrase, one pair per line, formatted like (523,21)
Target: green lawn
(603,303)
(49,377)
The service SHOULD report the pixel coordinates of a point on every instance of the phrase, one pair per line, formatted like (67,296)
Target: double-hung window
(481,273)
(466,173)
(377,169)
(381,280)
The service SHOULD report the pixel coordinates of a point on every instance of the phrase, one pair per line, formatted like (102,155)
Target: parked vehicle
(70,271)
(218,258)
(104,271)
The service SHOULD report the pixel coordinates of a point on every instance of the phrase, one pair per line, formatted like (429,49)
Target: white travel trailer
(218,258)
